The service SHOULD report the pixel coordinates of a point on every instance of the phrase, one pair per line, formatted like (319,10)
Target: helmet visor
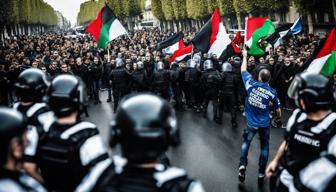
(294,88)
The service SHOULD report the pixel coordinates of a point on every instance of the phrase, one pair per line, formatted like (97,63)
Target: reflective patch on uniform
(317,175)
(324,124)
(32,183)
(10,185)
(33,109)
(46,120)
(33,138)
(292,119)
(119,164)
(89,181)
(92,148)
(168,175)
(332,146)
(286,178)
(81,126)
(196,186)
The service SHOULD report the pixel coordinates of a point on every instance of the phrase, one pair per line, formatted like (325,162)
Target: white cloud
(68,8)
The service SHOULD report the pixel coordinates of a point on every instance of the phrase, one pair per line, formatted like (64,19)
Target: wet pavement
(209,152)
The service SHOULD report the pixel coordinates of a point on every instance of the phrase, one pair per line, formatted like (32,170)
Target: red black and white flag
(170,45)
(105,27)
(182,54)
(233,48)
(212,38)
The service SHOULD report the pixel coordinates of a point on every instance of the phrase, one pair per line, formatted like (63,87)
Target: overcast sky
(68,8)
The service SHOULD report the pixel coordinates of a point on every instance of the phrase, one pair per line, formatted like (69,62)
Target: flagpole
(108,55)
(245,30)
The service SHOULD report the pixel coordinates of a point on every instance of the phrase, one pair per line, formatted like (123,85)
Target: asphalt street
(209,152)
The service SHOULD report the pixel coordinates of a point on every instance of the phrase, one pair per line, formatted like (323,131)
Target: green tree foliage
(260,6)
(225,6)
(180,9)
(167,9)
(27,12)
(157,10)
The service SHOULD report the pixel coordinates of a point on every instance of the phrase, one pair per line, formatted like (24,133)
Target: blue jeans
(264,135)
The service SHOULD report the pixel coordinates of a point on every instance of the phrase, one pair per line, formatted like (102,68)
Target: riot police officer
(139,78)
(160,81)
(30,88)
(120,82)
(239,90)
(226,94)
(309,129)
(145,126)
(13,129)
(71,148)
(211,79)
(176,77)
(192,83)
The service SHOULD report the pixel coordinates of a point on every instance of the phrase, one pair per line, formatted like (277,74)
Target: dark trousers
(227,101)
(95,89)
(211,95)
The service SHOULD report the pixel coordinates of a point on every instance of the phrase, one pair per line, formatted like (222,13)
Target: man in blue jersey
(260,97)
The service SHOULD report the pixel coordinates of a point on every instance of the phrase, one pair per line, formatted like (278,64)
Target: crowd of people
(38,80)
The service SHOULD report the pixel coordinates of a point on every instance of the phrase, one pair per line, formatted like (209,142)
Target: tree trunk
(238,16)
(333,2)
(310,23)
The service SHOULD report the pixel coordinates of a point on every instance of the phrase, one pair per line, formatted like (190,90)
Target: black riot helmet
(208,64)
(65,95)
(315,90)
(145,126)
(227,67)
(31,85)
(12,125)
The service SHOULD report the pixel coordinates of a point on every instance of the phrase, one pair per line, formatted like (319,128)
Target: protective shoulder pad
(324,124)
(76,128)
(169,174)
(33,109)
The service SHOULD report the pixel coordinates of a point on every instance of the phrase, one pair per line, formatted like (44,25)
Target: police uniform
(13,126)
(145,126)
(18,182)
(319,175)
(120,84)
(211,80)
(139,80)
(67,153)
(192,85)
(30,87)
(226,95)
(39,117)
(120,176)
(306,139)
(160,83)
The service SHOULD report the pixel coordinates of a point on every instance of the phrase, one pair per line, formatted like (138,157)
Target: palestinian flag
(325,60)
(233,48)
(181,54)
(283,32)
(212,38)
(171,44)
(105,27)
(257,29)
